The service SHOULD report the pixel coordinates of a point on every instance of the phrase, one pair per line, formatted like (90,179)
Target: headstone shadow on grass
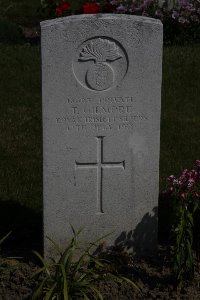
(26,227)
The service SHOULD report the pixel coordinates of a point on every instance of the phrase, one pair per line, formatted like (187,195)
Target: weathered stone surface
(101,120)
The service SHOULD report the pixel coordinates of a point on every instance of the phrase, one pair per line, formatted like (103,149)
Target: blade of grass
(38,292)
(65,286)
(93,288)
(50,292)
(55,245)
(43,262)
(5,237)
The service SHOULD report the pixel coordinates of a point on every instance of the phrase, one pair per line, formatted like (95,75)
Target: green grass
(20,11)
(20,106)
(180,122)
(20,123)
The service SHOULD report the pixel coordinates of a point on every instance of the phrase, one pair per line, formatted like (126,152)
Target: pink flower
(175,15)
(183,195)
(182,20)
(191,182)
(182,179)
(185,172)
(171,178)
(193,174)
(197,162)
(197,195)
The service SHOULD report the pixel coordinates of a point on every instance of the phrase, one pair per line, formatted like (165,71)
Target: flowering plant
(186,187)
(60,8)
(187,12)
(184,12)
(185,191)
(181,23)
(63,8)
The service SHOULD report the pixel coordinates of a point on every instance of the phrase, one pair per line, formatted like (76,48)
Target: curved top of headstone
(118,17)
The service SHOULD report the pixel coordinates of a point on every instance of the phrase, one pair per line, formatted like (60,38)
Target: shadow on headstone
(26,227)
(143,239)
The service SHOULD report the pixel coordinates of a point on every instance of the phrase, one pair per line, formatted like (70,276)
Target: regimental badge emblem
(100,75)
(100,64)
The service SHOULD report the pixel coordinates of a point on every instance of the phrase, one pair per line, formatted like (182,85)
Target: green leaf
(190,218)
(5,237)
(74,231)
(85,296)
(65,285)
(43,262)
(50,292)
(96,291)
(134,285)
(56,246)
(38,292)
(41,270)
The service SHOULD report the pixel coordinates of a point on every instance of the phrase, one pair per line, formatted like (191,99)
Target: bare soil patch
(153,275)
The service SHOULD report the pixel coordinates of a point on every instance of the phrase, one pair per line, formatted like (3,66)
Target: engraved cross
(99,165)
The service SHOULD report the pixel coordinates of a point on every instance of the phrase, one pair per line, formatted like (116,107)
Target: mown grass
(20,122)
(20,11)
(20,125)
(180,122)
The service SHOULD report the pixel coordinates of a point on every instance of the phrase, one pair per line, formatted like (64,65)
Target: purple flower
(183,3)
(121,8)
(158,13)
(115,2)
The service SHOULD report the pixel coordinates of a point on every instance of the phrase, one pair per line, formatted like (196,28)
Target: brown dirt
(153,275)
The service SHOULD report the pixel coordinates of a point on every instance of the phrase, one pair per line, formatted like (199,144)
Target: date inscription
(108,113)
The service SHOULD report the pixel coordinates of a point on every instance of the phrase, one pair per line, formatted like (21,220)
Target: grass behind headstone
(180,122)
(9,33)
(20,11)
(21,122)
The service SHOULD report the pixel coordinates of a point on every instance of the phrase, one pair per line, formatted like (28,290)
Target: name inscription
(107,114)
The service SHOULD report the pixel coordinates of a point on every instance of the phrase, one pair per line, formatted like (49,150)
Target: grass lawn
(180,122)
(20,123)
(20,11)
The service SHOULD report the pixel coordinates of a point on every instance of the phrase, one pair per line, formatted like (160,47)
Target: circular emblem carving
(100,76)
(100,64)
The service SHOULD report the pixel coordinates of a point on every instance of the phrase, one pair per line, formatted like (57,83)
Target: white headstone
(101,128)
